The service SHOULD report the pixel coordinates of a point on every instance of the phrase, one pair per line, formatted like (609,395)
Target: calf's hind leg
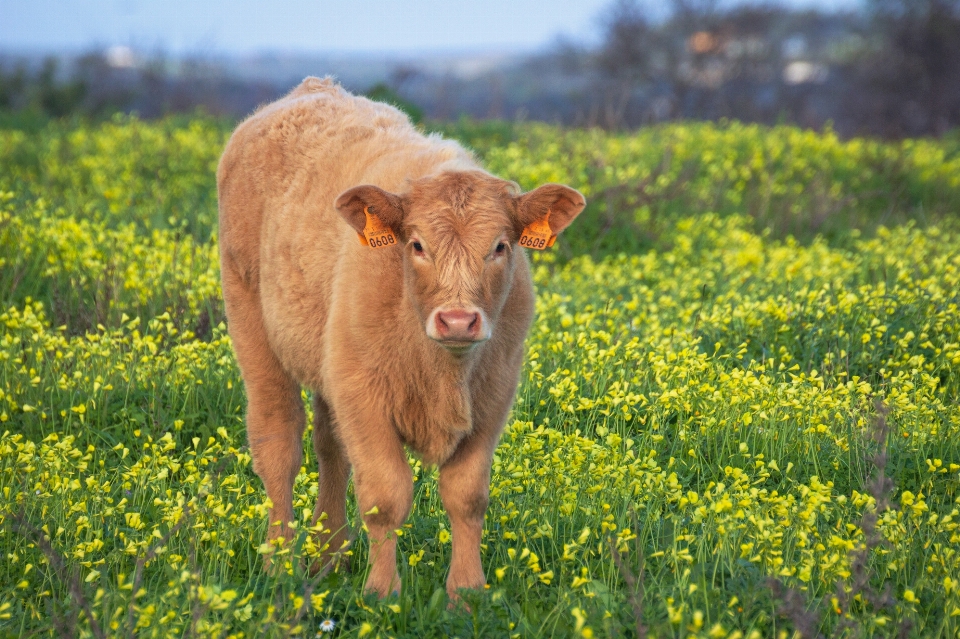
(275,417)
(334,471)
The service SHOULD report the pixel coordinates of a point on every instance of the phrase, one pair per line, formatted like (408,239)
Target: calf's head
(459,233)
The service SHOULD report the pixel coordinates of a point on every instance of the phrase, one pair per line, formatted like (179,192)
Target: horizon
(217,28)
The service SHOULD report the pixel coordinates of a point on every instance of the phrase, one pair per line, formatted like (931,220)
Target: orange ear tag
(537,235)
(376,234)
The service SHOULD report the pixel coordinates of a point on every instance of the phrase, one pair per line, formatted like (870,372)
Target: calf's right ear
(371,211)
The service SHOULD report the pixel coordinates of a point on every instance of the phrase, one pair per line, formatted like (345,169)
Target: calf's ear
(561,202)
(354,205)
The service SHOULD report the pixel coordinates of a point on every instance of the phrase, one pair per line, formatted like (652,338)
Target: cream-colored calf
(382,269)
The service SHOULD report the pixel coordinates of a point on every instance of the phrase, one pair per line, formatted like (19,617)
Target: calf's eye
(501,248)
(418,247)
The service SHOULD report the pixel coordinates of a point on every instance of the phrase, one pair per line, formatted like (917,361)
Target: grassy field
(738,417)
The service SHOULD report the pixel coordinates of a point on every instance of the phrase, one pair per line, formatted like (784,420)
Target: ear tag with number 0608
(537,235)
(376,234)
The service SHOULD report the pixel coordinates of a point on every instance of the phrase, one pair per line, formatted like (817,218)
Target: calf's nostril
(458,324)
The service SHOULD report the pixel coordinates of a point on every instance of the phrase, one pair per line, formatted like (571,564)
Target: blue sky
(245,26)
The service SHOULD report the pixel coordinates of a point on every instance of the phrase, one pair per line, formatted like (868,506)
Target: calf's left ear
(371,211)
(561,202)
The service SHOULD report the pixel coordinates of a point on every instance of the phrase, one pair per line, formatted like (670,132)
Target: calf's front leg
(465,492)
(383,483)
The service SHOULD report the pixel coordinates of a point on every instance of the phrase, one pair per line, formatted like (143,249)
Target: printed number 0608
(382,241)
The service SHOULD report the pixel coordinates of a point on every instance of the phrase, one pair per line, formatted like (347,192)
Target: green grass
(718,340)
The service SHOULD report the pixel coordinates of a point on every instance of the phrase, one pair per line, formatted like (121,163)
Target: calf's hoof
(456,602)
(454,591)
(334,557)
(383,587)
(327,562)
(465,579)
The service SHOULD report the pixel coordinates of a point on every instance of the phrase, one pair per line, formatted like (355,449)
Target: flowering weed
(697,402)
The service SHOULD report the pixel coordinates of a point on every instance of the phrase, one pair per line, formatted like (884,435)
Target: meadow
(738,415)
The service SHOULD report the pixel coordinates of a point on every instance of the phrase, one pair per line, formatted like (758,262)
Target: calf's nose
(459,325)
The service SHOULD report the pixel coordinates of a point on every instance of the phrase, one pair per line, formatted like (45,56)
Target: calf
(381,269)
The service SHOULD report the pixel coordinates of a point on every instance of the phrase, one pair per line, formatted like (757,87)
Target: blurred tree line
(891,69)
(99,84)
